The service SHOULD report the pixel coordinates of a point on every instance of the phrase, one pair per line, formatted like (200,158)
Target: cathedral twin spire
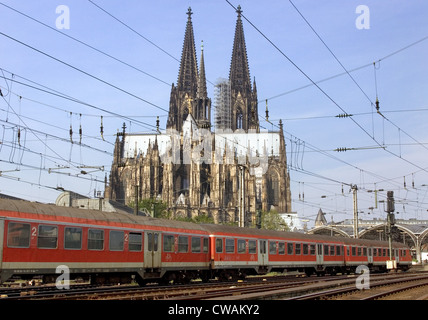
(190,95)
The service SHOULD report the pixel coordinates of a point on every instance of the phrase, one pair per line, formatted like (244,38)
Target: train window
(374,252)
(149,241)
(281,247)
(183,244)
(18,235)
(168,243)
(152,241)
(312,249)
(242,247)
(252,246)
(305,248)
(196,244)
(72,238)
(95,239)
(205,245)
(155,241)
(219,245)
(354,251)
(272,247)
(332,250)
(298,250)
(364,251)
(347,251)
(290,248)
(326,250)
(116,240)
(338,251)
(262,246)
(135,241)
(47,237)
(230,245)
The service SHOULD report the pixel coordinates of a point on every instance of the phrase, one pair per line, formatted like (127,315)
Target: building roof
(252,146)
(320,219)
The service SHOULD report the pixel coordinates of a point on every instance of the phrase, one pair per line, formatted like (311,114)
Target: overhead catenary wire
(133,30)
(311,84)
(69,98)
(348,71)
(376,104)
(320,89)
(85,44)
(84,72)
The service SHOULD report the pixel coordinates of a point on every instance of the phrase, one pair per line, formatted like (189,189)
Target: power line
(348,71)
(34,131)
(84,72)
(319,88)
(85,44)
(69,98)
(133,30)
(352,78)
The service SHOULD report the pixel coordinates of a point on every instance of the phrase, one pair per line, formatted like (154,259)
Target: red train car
(37,238)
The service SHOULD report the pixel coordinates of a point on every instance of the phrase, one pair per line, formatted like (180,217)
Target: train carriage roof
(75,214)
(51,211)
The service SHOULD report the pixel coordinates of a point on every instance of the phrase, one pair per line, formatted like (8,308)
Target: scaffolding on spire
(223,114)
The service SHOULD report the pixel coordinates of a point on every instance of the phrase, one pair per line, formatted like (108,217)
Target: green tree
(156,208)
(273,221)
(203,218)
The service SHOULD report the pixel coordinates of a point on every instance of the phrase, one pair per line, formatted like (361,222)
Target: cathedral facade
(228,172)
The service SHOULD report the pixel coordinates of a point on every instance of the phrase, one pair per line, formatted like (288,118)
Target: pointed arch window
(273,189)
(239,119)
(185,114)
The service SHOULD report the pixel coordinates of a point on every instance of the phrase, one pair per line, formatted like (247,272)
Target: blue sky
(312,131)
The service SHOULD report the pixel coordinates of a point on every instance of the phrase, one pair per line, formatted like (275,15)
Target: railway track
(178,292)
(379,288)
(276,287)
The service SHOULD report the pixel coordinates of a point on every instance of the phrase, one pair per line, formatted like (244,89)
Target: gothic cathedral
(227,171)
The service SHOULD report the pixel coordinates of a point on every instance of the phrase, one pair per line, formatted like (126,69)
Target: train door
(370,255)
(263,258)
(320,256)
(152,249)
(397,256)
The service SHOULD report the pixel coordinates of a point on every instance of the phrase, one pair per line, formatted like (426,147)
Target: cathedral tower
(243,96)
(190,94)
(226,175)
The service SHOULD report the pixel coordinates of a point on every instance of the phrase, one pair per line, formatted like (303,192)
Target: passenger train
(104,247)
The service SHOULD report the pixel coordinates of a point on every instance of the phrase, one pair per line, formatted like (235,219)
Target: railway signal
(390,208)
